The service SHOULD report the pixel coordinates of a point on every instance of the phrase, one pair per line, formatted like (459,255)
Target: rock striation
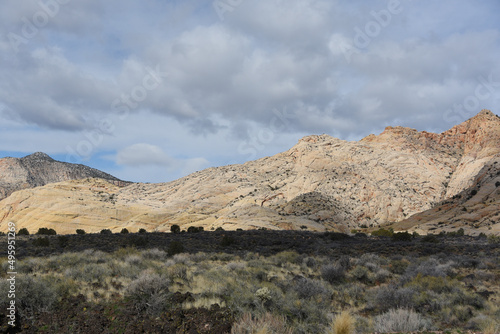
(401,176)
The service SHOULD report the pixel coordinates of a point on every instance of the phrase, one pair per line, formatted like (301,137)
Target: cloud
(223,80)
(143,155)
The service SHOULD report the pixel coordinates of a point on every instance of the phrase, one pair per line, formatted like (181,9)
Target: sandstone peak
(320,183)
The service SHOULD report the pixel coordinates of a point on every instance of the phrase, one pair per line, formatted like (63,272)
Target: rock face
(320,183)
(39,169)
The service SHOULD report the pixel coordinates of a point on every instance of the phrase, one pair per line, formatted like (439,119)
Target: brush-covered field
(253,282)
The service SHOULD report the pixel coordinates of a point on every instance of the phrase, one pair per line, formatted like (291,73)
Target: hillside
(320,183)
(39,169)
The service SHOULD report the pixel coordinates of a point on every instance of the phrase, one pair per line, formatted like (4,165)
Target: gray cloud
(223,80)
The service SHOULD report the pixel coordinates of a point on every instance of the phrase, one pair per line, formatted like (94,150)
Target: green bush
(142,230)
(175,247)
(23,231)
(138,241)
(63,240)
(333,273)
(80,231)
(193,229)
(493,239)
(124,231)
(106,231)
(149,293)
(402,236)
(46,231)
(41,242)
(175,228)
(431,238)
(33,294)
(227,241)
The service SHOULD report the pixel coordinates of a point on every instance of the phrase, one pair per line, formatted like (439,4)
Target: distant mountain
(39,169)
(410,179)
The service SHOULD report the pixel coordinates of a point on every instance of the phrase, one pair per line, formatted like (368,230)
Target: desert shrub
(227,241)
(193,229)
(175,247)
(310,262)
(381,275)
(370,260)
(493,239)
(343,324)
(41,242)
(62,240)
(399,266)
(430,238)
(402,236)
(491,327)
(430,267)
(307,288)
(401,320)
(285,257)
(80,231)
(392,297)
(23,231)
(124,231)
(154,254)
(142,230)
(33,294)
(138,241)
(232,266)
(175,228)
(178,271)
(382,233)
(219,229)
(149,293)
(436,284)
(345,262)
(91,272)
(264,324)
(333,273)
(46,231)
(106,231)
(360,273)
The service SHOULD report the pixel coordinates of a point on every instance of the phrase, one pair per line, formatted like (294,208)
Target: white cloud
(225,78)
(143,155)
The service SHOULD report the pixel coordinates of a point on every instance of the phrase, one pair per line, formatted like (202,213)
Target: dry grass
(265,324)
(343,323)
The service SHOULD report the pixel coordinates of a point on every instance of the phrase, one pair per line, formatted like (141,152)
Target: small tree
(46,231)
(106,231)
(23,231)
(80,231)
(142,230)
(124,231)
(175,228)
(193,229)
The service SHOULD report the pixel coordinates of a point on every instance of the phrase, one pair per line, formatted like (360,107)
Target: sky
(153,90)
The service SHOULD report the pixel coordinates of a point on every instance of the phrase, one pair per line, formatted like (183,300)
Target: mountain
(410,179)
(39,169)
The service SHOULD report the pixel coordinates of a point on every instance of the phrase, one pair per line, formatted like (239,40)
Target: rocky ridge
(320,183)
(39,169)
